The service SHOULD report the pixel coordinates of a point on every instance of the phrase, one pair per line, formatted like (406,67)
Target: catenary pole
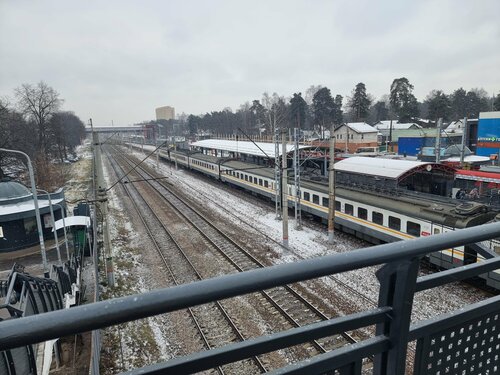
(331,188)
(284,188)
(464,135)
(103,205)
(438,140)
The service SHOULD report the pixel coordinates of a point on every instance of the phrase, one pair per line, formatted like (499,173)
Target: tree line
(319,109)
(36,125)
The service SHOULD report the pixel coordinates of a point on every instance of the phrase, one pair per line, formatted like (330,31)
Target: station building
(18,226)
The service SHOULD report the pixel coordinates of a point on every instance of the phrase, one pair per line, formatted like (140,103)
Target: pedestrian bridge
(466,341)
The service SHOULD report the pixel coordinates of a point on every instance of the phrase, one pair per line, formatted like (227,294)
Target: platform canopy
(71,221)
(244,147)
(388,168)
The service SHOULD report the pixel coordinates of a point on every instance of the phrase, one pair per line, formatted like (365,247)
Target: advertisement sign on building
(488,133)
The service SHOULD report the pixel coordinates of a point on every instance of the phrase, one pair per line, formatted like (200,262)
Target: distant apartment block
(165,113)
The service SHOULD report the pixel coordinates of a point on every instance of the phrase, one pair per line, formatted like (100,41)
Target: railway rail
(286,300)
(212,322)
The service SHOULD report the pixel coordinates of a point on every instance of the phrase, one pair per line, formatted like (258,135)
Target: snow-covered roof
(361,127)
(73,221)
(386,125)
(244,147)
(26,206)
(455,127)
(13,189)
(470,159)
(389,168)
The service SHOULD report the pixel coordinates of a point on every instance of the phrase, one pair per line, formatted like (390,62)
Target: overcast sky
(119,60)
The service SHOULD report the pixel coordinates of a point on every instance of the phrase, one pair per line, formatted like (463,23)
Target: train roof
(243,147)
(387,168)
(259,170)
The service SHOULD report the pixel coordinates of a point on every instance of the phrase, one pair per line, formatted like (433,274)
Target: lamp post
(53,225)
(64,227)
(37,210)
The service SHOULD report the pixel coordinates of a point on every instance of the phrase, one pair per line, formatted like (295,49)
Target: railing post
(397,288)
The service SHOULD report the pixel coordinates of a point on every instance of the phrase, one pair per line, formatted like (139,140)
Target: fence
(464,341)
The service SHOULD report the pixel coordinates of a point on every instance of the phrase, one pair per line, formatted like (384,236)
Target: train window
(377,218)
(362,213)
(307,196)
(394,223)
(436,231)
(266,184)
(413,228)
(349,209)
(326,202)
(260,181)
(255,180)
(315,199)
(237,174)
(337,206)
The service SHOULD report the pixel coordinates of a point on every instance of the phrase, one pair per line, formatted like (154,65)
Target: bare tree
(38,104)
(310,92)
(66,131)
(276,111)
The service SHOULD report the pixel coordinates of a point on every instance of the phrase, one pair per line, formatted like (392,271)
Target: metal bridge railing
(466,339)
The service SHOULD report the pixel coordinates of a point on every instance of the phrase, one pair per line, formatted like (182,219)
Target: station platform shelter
(391,174)
(18,226)
(260,153)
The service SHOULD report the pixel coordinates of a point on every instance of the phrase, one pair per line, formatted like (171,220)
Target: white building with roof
(355,135)
(457,127)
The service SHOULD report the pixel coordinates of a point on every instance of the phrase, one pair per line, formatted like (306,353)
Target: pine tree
(360,102)
(438,105)
(403,102)
(338,115)
(298,107)
(323,108)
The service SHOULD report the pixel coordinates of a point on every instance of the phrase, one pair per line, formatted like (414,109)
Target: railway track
(212,322)
(370,302)
(286,300)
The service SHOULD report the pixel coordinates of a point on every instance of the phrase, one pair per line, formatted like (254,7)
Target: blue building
(488,134)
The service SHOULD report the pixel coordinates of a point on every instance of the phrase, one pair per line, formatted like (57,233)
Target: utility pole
(277,176)
(331,189)
(157,154)
(296,167)
(175,154)
(464,137)
(284,188)
(390,137)
(438,140)
(102,203)
(346,138)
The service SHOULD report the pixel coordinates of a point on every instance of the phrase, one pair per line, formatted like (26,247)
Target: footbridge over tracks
(116,129)
(464,341)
